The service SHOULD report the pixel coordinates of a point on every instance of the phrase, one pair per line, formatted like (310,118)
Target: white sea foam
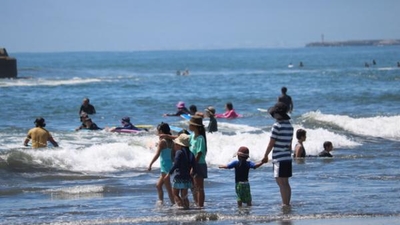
(378,126)
(113,152)
(47,82)
(387,68)
(82,189)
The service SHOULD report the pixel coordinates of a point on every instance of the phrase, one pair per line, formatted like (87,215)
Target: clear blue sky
(130,25)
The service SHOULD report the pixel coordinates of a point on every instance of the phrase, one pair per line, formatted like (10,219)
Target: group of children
(188,168)
(182,157)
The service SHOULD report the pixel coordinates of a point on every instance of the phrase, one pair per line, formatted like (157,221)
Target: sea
(99,177)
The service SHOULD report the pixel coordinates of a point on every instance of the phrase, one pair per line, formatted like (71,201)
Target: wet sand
(345,221)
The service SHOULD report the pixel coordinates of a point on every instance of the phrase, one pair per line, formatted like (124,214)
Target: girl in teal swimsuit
(164,152)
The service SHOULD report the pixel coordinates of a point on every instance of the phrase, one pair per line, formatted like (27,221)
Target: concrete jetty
(8,65)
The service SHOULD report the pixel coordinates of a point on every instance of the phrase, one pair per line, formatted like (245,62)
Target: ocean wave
(47,82)
(82,152)
(378,126)
(81,189)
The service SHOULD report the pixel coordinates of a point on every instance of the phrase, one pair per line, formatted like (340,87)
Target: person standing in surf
(213,124)
(328,147)
(242,168)
(39,135)
(184,163)
(198,146)
(287,99)
(299,150)
(86,107)
(164,153)
(281,143)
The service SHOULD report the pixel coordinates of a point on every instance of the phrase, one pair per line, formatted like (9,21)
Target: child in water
(184,162)
(164,152)
(299,150)
(242,168)
(213,124)
(327,148)
(229,113)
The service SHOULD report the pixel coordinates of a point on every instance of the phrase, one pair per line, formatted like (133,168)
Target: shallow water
(101,177)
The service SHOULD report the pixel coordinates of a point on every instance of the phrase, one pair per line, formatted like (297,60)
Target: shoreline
(372,220)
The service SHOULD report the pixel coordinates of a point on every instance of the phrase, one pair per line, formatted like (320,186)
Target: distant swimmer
(301,64)
(182,73)
(229,112)
(88,125)
(185,73)
(126,125)
(373,62)
(181,110)
(193,110)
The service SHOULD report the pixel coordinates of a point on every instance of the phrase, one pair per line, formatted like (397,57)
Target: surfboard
(176,129)
(262,110)
(128,131)
(147,126)
(186,116)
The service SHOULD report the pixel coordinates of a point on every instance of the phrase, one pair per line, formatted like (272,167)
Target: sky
(133,25)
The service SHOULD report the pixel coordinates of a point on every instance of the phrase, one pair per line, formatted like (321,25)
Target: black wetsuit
(325,153)
(89,109)
(180,111)
(287,100)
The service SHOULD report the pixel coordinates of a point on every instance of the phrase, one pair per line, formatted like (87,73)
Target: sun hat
(210,110)
(182,140)
(278,111)
(243,152)
(196,121)
(126,119)
(180,105)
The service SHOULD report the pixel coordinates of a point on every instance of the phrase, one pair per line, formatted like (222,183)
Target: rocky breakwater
(354,43)
(8,65)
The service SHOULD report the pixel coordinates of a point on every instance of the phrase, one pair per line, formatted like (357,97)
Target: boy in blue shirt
(242,167)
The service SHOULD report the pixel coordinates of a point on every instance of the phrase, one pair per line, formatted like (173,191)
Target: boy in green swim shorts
(242,168)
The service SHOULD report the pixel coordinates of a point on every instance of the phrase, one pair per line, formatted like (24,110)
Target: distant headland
(354,43)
